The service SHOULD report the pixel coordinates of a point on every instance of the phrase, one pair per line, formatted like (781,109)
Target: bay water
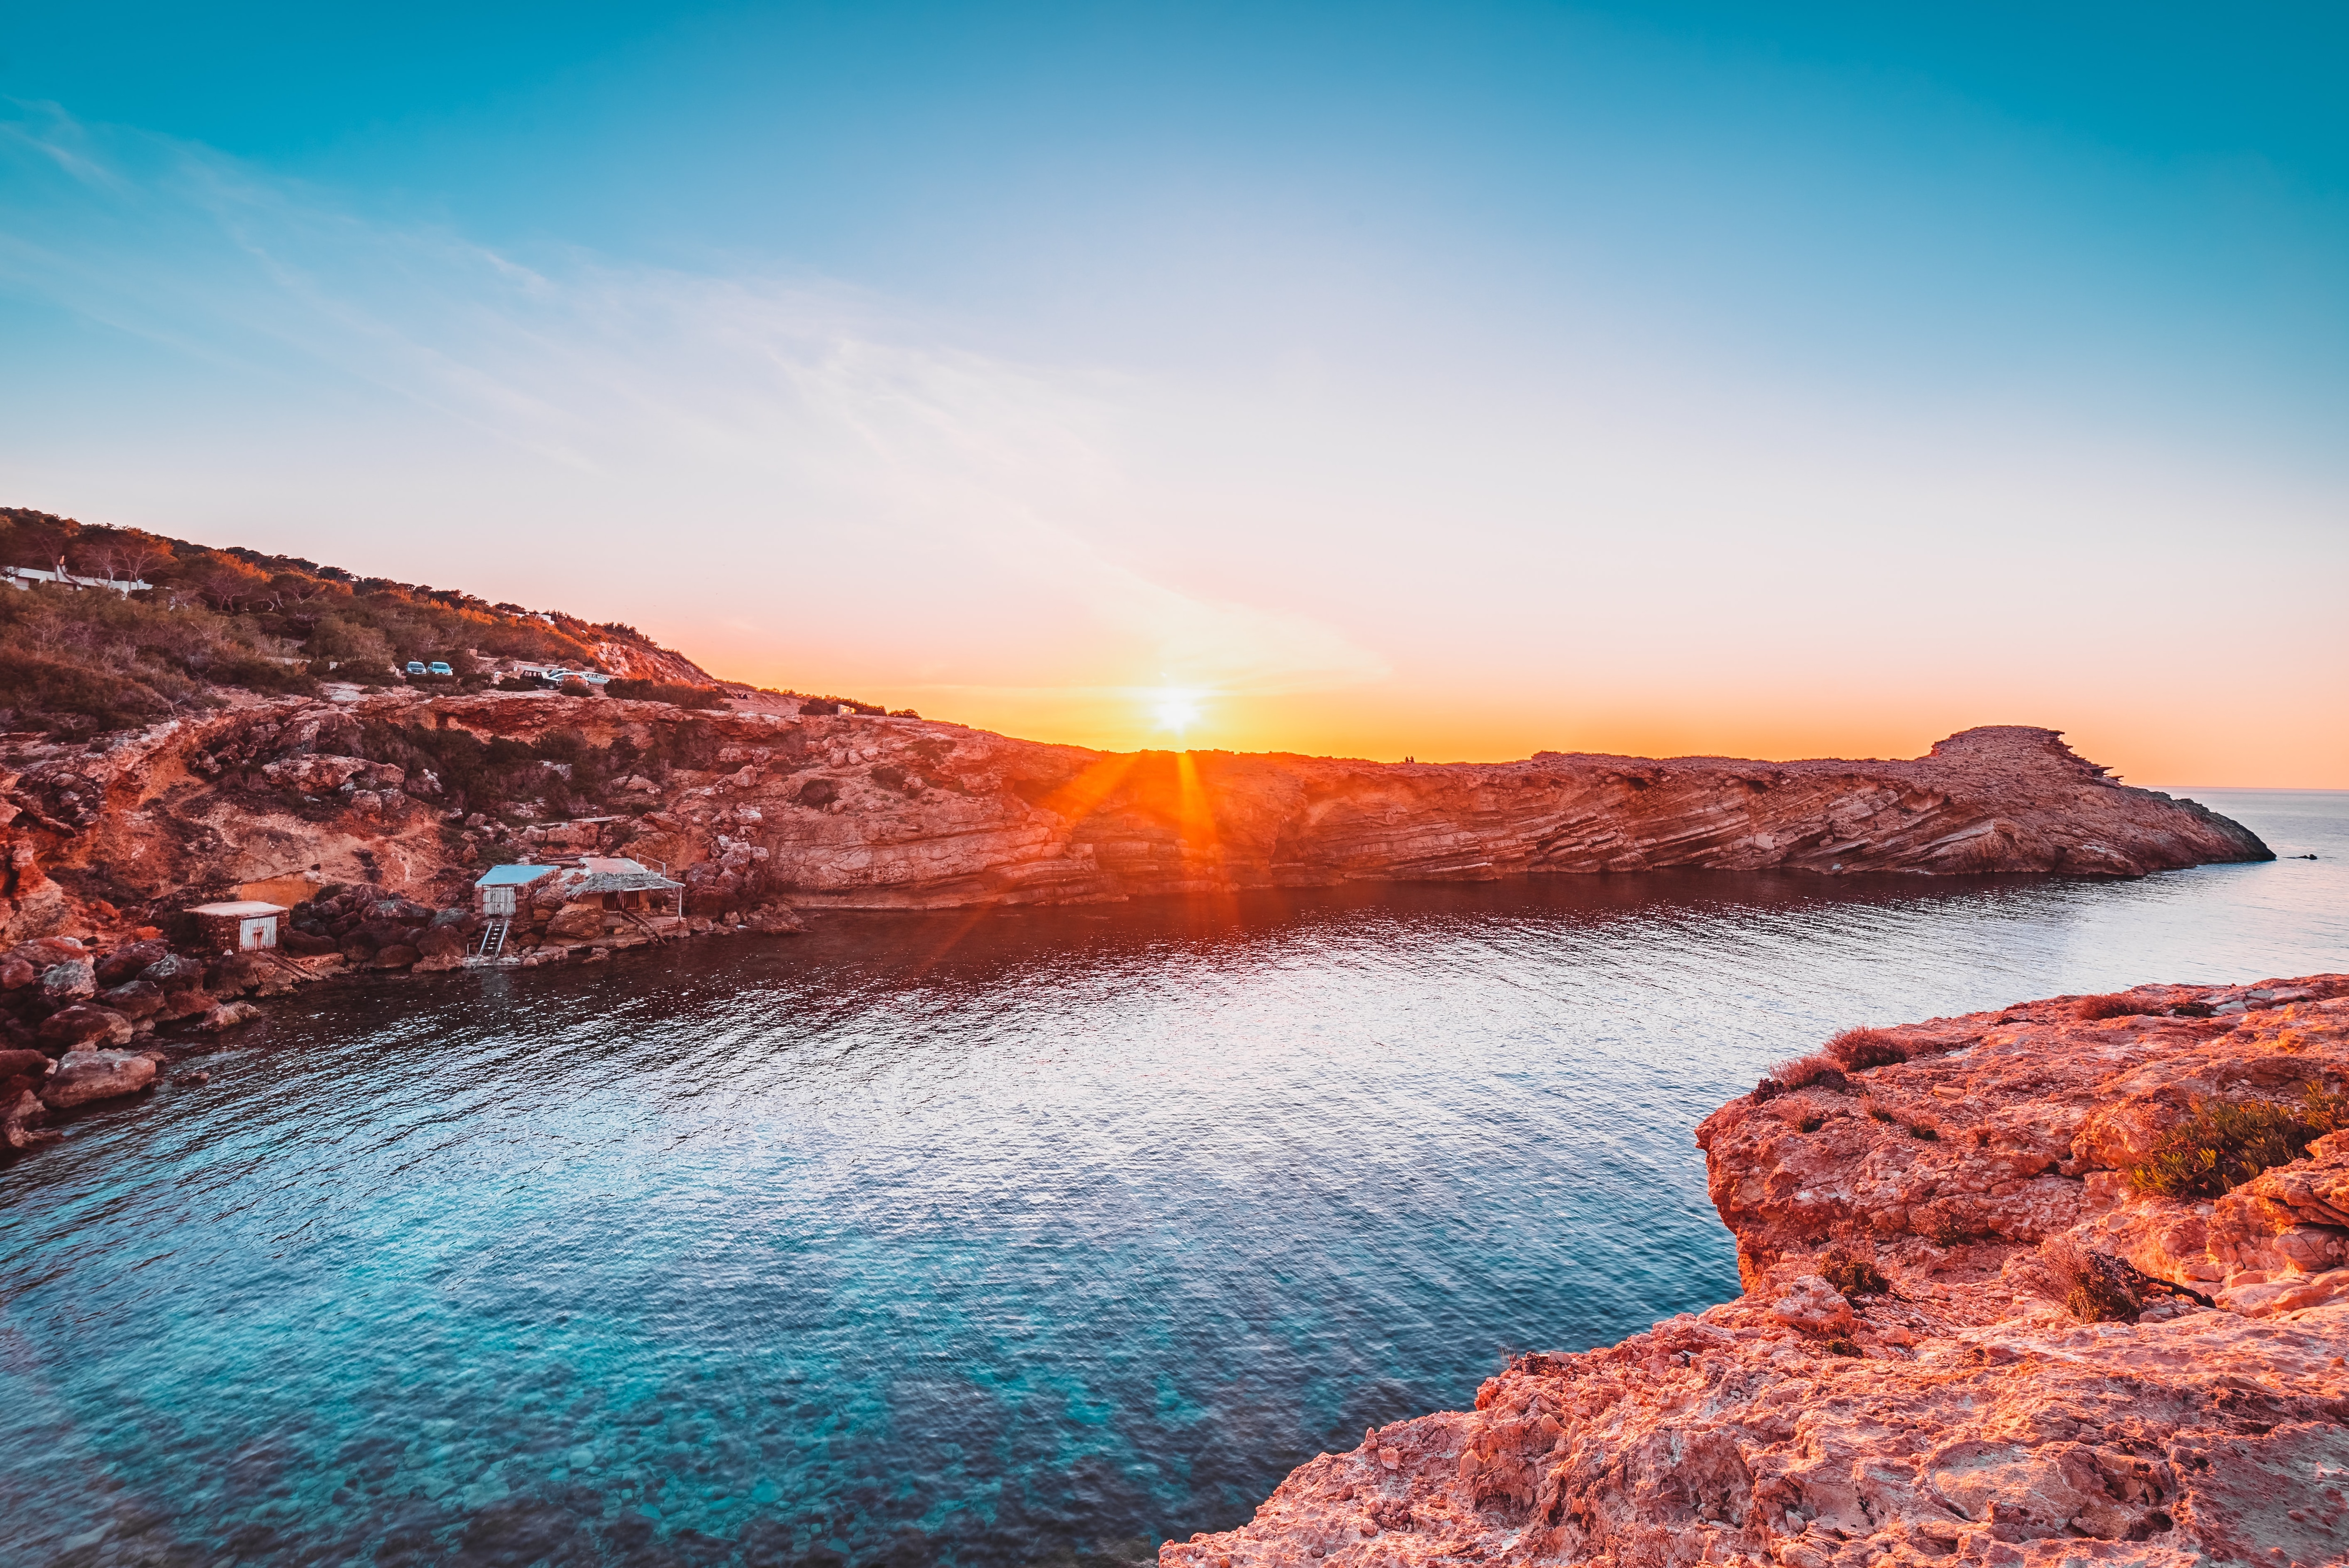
(977,1238)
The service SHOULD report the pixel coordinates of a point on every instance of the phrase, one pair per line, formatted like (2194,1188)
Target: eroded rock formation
(872,812)
(1911,1376)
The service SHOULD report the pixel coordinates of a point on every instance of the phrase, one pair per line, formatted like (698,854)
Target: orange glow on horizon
(2143,741)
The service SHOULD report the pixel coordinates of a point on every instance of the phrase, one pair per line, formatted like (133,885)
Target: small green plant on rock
(2095,1287)
(1852,1274)
(2223,1143)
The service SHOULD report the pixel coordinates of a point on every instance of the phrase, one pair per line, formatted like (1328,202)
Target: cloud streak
(731,400)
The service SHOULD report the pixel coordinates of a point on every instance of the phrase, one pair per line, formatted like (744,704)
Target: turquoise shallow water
(996,1239)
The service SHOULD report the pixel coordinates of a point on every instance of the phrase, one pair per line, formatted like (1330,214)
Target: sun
(1175,709)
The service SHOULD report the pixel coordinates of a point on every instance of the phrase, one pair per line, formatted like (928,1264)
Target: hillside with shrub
(78,661)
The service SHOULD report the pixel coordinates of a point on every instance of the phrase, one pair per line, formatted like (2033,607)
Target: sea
(978,1238)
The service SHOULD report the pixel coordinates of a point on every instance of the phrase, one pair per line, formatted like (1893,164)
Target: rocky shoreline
(371,815)
(761,804)
(1996,1311)
(80,1024)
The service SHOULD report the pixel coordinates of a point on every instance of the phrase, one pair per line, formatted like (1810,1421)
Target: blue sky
(1336,362)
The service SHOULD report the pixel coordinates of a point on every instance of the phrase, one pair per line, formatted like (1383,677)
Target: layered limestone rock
(856,811)
(1911,1376)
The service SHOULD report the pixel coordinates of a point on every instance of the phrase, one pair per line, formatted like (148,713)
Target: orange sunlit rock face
(1910,1376)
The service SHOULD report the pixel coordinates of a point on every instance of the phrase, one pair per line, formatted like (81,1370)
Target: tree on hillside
(119,554)
(221,580)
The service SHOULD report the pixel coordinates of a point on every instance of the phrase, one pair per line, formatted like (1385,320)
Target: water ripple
(994,1238)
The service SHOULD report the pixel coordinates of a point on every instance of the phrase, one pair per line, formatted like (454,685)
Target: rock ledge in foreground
(1901,1382)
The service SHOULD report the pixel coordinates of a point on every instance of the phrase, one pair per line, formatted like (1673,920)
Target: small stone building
(239,925)
(503,891)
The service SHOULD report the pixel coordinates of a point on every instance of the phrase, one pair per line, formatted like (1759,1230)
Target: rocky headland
(2066,1283)
(756,803)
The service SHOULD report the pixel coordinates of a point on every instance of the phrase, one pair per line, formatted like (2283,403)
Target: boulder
(308,945)
(237,973)
(186,1004)
(21,1130)
(138,999)
(27,1006)
(21,1072)
(576,923)
(127,963)
(24,1063)
(226,1016)
(81,1077)
(399,955)
(441,942)
(42,951)
(16,975)
(390,933)
(83,1025)
(70,981)
(174,971)
(775,920)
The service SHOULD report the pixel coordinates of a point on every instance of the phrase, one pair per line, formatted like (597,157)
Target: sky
(1453,381)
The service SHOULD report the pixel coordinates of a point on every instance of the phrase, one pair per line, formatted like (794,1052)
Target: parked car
(441,667)
(416,667)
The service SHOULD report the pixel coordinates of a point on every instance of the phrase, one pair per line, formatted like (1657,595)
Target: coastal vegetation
(2223,1143)
(81,662)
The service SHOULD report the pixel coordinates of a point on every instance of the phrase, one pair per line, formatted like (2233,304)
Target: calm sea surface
(997,1239)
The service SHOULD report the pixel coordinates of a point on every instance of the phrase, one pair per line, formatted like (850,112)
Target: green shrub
(2096,1287)
(66,699)
(232,617)
(2223,1143)
(1851,1274)
(665,691)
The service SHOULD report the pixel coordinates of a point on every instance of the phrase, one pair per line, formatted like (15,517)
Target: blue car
(441,667)
(416,667)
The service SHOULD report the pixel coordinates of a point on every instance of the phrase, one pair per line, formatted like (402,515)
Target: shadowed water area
(973,1238)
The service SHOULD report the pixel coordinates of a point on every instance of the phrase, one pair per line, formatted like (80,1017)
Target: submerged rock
(226,1016)
(1982,1346)
(21,1129)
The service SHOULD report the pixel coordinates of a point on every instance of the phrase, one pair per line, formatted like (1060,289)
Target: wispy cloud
(730,397)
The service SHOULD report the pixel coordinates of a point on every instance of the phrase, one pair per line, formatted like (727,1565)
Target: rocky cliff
(755,802)
(2017,1293)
